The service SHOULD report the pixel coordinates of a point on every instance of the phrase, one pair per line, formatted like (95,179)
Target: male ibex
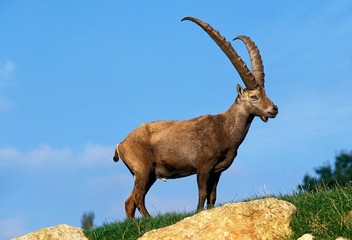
(205,145)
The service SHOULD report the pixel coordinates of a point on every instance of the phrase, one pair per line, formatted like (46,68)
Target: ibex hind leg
(130,206)
(142,184)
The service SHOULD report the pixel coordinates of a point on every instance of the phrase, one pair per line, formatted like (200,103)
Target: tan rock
(306,236)
(260,219)
(60,232)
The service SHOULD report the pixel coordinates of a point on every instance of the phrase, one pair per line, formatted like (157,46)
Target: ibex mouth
(264,118)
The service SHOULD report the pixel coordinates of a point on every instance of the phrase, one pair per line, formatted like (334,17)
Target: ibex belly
(167,171)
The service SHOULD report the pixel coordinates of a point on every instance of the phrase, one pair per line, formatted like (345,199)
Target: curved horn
(256,59)
(247,77)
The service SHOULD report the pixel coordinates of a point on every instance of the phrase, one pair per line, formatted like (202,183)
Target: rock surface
(259,219)
(306,236)
(60,232)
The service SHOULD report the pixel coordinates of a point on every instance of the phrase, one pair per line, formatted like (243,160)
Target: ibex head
(253,97)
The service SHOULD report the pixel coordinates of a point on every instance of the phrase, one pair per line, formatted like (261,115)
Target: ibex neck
(237,121)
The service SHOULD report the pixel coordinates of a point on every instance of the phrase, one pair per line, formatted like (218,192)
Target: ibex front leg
(204,177)
(202,180)
(213,183)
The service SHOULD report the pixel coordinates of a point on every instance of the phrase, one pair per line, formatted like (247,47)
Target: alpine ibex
(205,145)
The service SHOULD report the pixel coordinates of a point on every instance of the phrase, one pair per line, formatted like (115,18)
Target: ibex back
(206,145)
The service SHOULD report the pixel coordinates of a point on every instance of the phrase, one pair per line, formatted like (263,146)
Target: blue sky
(76,77)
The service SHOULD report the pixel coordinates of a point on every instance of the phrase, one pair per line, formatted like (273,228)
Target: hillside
(325,214)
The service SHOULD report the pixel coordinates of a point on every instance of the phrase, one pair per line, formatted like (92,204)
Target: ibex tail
(116,156)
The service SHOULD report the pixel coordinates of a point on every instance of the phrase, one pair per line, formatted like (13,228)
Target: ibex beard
(205,145)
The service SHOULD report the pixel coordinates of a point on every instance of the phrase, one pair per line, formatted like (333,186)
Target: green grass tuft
(326,214)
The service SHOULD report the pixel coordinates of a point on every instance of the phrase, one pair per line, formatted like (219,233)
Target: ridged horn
(256,59)
(247,77)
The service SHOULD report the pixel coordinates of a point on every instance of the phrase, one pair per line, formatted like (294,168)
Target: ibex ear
(239,90)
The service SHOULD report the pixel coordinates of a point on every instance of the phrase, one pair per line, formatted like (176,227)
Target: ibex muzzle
(205,145)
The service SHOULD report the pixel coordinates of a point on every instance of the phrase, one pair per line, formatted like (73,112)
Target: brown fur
(206,146)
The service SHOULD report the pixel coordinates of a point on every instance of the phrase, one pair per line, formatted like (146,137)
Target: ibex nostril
(275,108)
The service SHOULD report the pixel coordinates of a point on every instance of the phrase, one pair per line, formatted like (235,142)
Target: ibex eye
(254,97)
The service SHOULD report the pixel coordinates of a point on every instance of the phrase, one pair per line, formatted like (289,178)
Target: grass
(134,228)
(326,214)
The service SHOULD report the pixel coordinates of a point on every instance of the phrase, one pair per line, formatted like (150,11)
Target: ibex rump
(206,145)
